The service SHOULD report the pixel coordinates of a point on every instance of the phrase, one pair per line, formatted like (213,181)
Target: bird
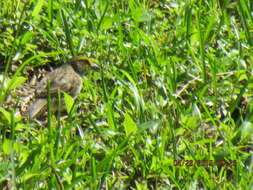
(66,78)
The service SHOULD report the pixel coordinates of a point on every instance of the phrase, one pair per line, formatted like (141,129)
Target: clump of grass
(174,87)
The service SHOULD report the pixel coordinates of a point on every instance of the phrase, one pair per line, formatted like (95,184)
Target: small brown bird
(66,78)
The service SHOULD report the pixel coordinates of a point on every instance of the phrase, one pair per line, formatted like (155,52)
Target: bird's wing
(37,107)
(59,79)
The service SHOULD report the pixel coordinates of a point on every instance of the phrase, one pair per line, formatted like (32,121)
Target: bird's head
(82,64)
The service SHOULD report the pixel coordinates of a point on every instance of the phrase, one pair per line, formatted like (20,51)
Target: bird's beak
(94,66)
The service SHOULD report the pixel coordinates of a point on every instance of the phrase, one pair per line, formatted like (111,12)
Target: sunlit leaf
(15,82)
(37,8)
(69,102)
(7,146)
(129,125)
(6,114)
(107,23)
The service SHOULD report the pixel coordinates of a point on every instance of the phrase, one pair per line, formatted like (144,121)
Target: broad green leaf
(15,82)
(6,114)
(140,15)
(69,102)
(4,168)
(129,125)
(7,146)
(37,8)
(27,37)
(107,22)
(109,114)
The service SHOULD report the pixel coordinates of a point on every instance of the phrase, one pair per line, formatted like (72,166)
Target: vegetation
(170,108)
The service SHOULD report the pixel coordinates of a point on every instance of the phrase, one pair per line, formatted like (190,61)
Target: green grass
(174,83)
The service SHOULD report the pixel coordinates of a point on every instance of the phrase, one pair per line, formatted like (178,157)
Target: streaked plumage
(66,78)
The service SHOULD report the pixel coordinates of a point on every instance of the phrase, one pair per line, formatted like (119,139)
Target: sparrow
(66,78)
